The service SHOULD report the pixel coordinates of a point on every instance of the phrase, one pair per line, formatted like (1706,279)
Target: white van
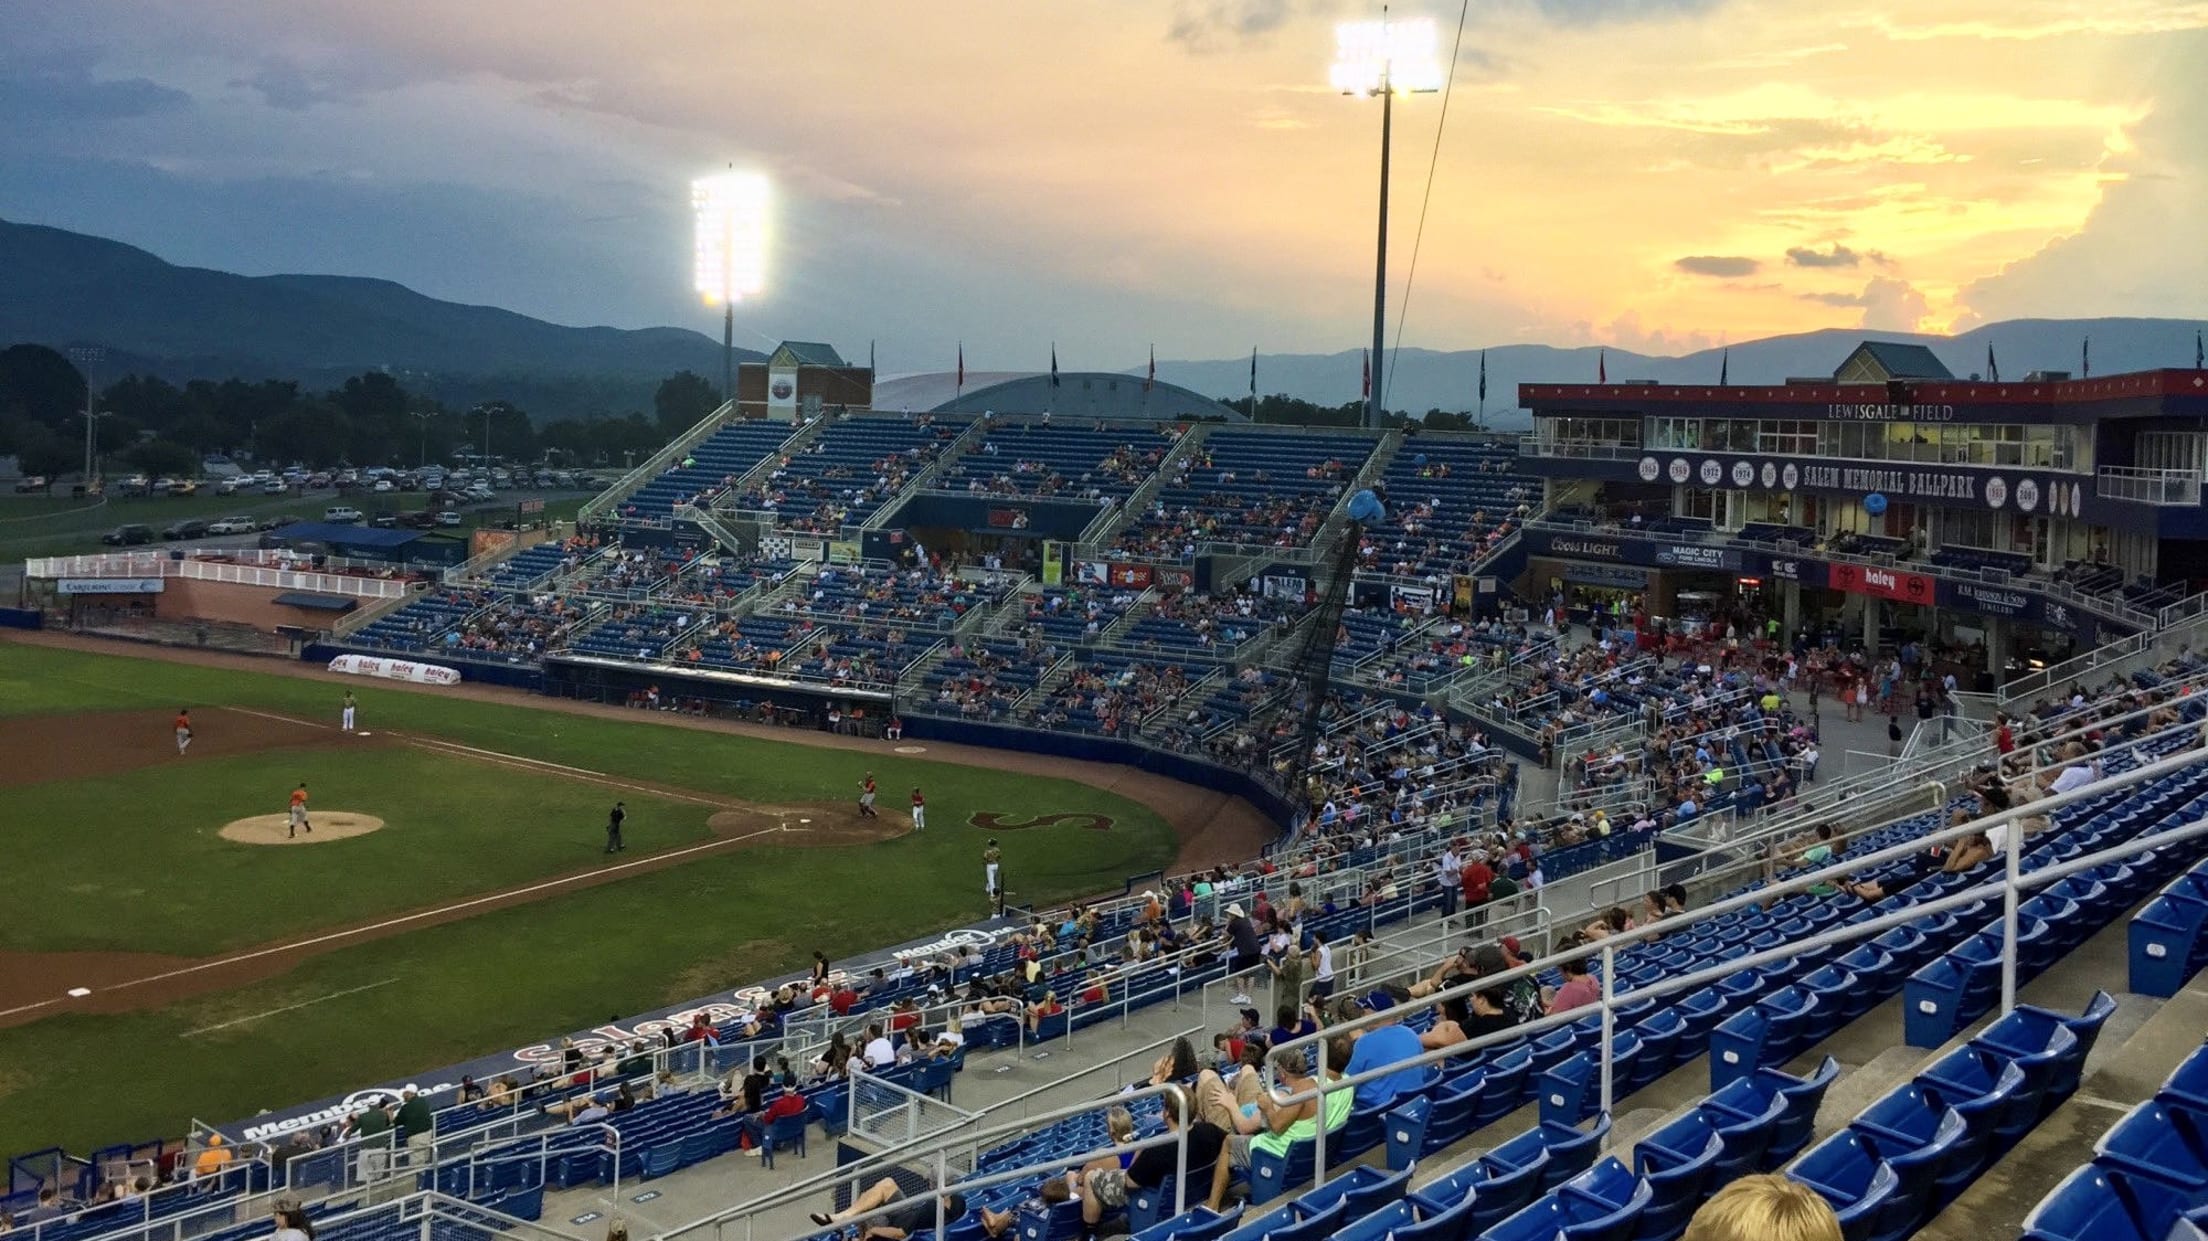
(341,513)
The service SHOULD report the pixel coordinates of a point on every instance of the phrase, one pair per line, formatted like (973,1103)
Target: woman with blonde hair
(1764,1208)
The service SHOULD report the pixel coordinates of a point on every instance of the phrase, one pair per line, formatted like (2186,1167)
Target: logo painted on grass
(999,823)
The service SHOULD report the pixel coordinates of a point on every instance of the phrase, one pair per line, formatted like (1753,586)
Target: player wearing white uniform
(919,811)
(349,705)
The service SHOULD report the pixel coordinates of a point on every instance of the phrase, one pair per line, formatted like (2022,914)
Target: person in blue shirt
(1378,1047)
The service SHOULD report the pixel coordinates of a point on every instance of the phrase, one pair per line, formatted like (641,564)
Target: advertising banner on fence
(395,669)
(109,586)
(1883,583)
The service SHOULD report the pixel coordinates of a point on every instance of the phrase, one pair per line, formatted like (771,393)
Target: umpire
(613,828)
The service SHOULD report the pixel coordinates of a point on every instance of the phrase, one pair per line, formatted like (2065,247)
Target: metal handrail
(651,467)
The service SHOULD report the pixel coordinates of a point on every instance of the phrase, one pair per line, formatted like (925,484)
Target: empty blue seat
(1877,976)
(1406,1132)
(1571,1151)
(1858,1192)
(1986,1091)
(2161,1139)
(1362,1188)
(1380,1224)
(1197,1224)
(1601,1204)
(2189,1081)
(2167,944)
(2103,1204)
(1802,1095)
(1452,1223)
(2029,1029)
(1678,1179)
(1508,1076)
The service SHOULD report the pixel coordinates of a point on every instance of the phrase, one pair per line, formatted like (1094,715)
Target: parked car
(189,528)
(33,482)
(233,525)
(385,521)
(384,485)
(449,518)
(275,487)
(231,486)
(341,513)
(183,488)
(127,536)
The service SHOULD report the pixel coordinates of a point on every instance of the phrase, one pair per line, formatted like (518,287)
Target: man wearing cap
(991,857)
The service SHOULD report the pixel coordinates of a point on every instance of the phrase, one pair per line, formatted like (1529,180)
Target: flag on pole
(2085,359)
(1602,367)
(1253,381)
(1725,369)
(1054,366)
(870,357)
(2200,360)
(1483,376)
(1152,377)
(962,368)
(1365,361)
(1993,368)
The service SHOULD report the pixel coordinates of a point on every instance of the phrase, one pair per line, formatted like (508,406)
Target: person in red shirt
(866,798)
(2004,737)
(1478,876)
(183,730)
(843,999)
(919,810)
(700,1031)
(787,1104)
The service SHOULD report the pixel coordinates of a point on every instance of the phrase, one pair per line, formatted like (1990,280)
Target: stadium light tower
(1384,58)
(731,209)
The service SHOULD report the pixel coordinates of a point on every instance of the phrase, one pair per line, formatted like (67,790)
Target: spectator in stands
(878,1053)
(879,1225)
(291,1219)
(417,1121)
(372,1126)
(1579,989)
(1104,1190)
(591,1108)
(1765,1207)
(1377,1047)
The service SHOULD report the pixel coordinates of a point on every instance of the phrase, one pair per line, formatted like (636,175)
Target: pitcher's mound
(274,829)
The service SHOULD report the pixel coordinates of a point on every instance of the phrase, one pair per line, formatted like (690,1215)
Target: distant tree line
(369,419)
(1290,411)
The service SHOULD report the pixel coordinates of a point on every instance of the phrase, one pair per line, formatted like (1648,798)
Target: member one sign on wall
(395,669)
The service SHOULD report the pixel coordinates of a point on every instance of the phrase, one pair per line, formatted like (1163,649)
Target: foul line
(657,859)
(334,995)
(281,719)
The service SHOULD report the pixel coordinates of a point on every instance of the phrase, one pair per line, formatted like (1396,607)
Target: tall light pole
(1384,58)
(731,210)
(423,416)
(87,357)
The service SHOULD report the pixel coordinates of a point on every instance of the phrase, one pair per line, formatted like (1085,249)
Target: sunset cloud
(1172,170)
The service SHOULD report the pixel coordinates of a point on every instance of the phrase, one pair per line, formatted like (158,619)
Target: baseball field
(459,900)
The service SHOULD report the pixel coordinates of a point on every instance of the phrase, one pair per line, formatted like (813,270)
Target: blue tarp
(350,535)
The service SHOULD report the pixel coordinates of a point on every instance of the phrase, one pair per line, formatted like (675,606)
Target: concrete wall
(184,599)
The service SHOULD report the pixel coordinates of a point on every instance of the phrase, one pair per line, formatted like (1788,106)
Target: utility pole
(87,357)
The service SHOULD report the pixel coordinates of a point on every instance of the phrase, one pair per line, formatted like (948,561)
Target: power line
(1448,88)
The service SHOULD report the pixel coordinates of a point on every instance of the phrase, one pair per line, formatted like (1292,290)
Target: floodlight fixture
(731,210)
(1400,56)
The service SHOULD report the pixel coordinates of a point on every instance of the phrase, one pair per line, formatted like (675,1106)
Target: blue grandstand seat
(1603,1203)
(1453,1223)
(1405,1137)
(2101,1204)
(1287,1227)
(1382,1224)
(1499,1184)
(1859,1192)
(1364,1189)
(1571,1151)
(2169,938)
(1678,1180)
(2163,1140)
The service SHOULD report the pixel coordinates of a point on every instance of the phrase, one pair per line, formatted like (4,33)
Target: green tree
(682,400)
(40,449)
(158,457)
(39,384)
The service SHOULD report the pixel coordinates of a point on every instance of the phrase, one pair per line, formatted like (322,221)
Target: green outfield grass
(447,993)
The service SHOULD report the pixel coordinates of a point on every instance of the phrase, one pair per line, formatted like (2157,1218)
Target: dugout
(761,696)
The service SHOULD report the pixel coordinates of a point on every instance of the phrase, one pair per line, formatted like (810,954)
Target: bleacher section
(1449,502)
(712,466)
(1044,460)
(857,465)
(1246,488)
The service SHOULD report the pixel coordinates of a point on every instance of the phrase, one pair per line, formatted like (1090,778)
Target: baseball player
(299,821)
(866,798)
(183,730)
(349,705)
(991,858)
(919,810)
(614,819)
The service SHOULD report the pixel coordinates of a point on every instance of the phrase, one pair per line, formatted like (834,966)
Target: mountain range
(1421,379)
(68,289)
(150,316)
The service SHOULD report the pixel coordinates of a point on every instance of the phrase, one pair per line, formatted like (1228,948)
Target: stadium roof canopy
(1108,395)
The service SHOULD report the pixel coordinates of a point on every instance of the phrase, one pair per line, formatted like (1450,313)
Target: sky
(1657,175)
